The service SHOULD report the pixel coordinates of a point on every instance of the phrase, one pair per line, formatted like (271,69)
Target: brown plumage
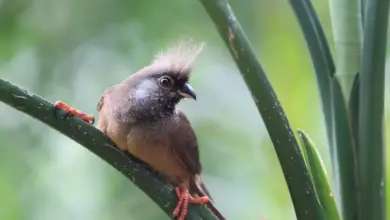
(140,116)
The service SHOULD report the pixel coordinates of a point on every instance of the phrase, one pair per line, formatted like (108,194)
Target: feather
(178,58)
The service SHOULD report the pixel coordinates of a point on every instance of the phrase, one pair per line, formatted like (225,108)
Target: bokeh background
(71,50)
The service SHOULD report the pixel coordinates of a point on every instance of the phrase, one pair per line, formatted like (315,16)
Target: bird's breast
(158,153)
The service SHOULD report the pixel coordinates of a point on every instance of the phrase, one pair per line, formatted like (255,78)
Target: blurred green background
(72,50)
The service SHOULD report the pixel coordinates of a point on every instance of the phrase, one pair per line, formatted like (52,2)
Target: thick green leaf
(354,109)
(371,112)
(347,35)
(363,10)
(322,63)
(320,36)
(284,141)
(326,200)
(346,153)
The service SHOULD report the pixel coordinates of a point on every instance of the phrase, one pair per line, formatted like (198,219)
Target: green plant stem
(324,69)
(346,152)
(347,34)
(371,112)
(322,63)
(284,141)
(363,10)
(354,108)
(347,21)
(159,191)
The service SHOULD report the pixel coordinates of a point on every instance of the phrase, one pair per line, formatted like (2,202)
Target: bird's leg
(74,112)
(184,198)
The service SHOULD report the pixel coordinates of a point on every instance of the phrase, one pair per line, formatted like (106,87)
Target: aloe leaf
(371,112)
(326,200)
(354,109)
(363,9)
(285,144)
(322,63)
(346,153)
(347,35)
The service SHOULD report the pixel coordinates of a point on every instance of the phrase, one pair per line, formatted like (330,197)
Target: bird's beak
(187,92)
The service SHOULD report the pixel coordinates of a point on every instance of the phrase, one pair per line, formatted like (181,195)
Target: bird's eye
(166,81)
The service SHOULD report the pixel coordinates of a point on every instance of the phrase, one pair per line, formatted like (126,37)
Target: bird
(141,117)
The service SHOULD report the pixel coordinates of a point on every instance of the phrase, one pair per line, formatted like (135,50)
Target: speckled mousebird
(140,116)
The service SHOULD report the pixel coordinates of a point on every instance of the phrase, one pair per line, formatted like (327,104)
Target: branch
(161,192)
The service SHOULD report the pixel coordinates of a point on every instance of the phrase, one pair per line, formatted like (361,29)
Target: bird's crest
(179,57)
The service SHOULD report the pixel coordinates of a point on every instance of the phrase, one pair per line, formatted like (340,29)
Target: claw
(185,198)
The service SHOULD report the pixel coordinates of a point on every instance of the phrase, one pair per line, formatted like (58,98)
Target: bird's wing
(185,148)
(185,145)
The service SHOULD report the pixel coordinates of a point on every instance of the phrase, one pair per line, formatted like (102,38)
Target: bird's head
(160,86)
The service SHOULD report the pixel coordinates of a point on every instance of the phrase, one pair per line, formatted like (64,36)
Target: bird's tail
(197,187)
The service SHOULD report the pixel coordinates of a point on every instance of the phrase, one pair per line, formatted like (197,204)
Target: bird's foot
(74,112)
(185,198)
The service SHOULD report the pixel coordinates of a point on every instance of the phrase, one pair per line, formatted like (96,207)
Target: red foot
(185,198)
(74,112)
